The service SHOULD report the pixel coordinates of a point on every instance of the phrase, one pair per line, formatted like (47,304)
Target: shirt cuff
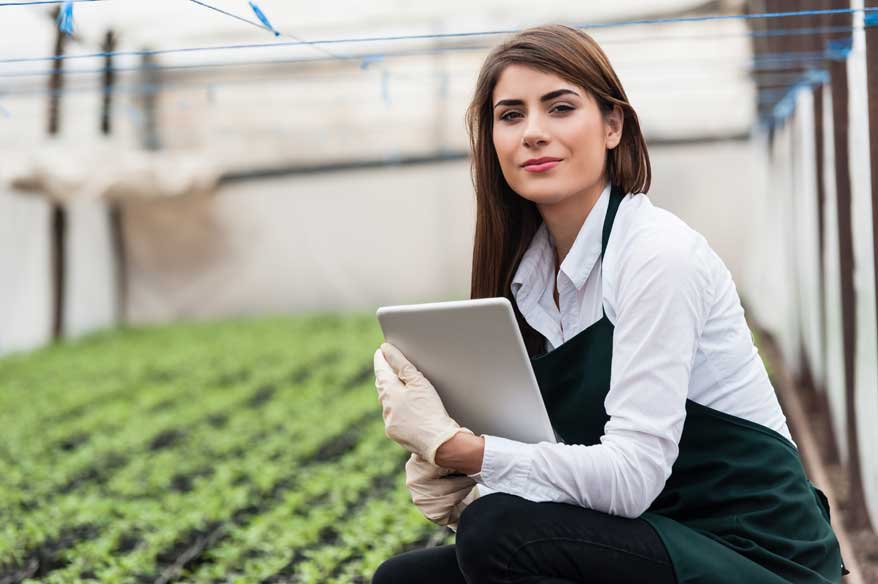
(505,465)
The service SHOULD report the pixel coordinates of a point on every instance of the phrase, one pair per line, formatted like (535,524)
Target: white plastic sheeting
(26,289)
(866,366)
(85,182)
(25,293)
(771,255)
(807,245)
(788,296)
(109,171)
(835,381)
(786,268)
(266,114)
(328,111)
(90,291)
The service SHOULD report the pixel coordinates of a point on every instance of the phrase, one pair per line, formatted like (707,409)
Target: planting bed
(240,451)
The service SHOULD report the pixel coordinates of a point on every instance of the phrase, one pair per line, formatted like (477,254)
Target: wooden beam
(841,121)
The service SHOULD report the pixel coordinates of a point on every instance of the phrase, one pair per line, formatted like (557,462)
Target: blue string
(777,76)
(714,17)
(35,2)
(265,25)
(364,65)
(765,59)
(230,15)
(211,87)
(435,36)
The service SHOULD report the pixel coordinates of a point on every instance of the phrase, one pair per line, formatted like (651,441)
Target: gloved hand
(439,497)
(414,415)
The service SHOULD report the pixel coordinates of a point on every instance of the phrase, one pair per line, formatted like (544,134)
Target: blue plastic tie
(369,59)
(786,105)
(870,19)
(385,87)
(263,19)
(839,49)
(65,17)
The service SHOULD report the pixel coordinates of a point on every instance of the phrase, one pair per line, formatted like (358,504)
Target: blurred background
(174,163)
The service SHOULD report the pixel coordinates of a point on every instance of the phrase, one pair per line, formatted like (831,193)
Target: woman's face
(540,115)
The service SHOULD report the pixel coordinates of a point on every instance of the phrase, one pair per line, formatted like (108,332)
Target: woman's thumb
(402,366)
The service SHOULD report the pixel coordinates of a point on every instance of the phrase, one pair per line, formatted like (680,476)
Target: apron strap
(616,196)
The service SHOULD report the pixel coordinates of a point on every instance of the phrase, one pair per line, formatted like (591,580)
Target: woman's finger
(384,373)
(402,366)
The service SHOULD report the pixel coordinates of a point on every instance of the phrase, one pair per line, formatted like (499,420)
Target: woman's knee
(387,572)
(487,535)
(425,566)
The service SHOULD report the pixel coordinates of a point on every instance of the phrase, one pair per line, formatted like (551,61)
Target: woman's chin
(542,196)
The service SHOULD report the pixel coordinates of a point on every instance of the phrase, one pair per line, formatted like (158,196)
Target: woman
(676,463)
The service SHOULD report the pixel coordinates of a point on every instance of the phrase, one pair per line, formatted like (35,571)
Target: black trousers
(506,539)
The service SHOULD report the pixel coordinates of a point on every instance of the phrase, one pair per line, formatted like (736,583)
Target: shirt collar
(536,270)
(587,246)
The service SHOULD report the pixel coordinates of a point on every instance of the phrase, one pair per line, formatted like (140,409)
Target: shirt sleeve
(659,312)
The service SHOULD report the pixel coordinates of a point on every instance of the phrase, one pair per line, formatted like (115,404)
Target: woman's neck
(565,218)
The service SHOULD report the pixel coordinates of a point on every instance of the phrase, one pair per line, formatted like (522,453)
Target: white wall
(90,292)
(370,237)
(25,292)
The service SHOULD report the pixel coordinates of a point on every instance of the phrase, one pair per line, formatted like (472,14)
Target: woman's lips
(542,167)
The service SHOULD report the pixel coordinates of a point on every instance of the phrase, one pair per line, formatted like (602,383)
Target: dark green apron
(737,507)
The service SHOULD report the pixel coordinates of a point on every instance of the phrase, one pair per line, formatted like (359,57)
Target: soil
(863,540)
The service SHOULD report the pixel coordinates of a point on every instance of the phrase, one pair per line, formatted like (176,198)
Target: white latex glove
(439,497)
(414,416)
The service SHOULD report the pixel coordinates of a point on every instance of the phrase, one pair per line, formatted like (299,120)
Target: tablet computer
(473,354)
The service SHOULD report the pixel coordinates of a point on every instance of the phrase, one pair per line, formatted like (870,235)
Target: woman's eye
(559,108)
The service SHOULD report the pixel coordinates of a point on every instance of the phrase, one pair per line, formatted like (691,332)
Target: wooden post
(816,45)
(58,229)
(117,233)
(856,504)
(872,89)
(108,79)
(151,79)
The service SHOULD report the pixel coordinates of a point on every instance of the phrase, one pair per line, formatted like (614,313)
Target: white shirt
(679,333)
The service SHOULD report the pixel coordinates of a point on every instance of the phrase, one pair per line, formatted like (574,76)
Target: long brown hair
(505,221)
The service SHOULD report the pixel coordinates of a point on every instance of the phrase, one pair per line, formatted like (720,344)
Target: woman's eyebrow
(547,97)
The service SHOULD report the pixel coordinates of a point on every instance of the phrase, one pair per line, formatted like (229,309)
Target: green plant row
(180,513)
(267,543)
(103,418)
(35,479)
(168,513)
(240,451)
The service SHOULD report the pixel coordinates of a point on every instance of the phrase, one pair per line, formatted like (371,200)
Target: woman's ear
(613,126)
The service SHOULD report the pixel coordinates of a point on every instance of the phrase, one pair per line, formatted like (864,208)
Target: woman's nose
(534,134)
